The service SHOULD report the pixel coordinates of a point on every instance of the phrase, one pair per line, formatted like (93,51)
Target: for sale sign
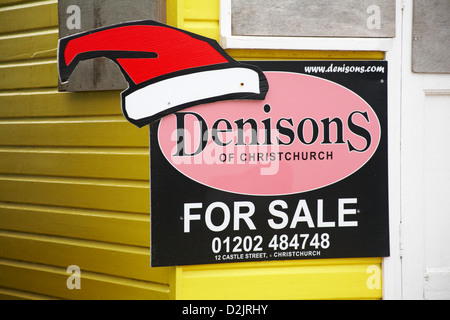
(301,174)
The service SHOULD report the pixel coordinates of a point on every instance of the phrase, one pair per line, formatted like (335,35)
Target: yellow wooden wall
(310,279)
(74,176)
(74,185)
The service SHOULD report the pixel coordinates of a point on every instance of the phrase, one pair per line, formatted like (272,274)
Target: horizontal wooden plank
(112,259)
(313,279)
(115,227)
(34,45)
(82,132)
(51,103)
(8,294)
(51,281)
(11,2)
(248,54)
(109,195)
(38,74)
(109,163)
(27,16)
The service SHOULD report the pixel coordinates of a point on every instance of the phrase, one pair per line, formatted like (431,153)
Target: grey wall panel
(431,36)
(313,18)
(101,74)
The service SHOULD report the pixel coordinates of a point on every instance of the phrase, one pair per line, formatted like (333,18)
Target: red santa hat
(167,69)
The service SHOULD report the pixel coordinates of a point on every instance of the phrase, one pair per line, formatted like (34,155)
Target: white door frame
(392,266)
(416,91)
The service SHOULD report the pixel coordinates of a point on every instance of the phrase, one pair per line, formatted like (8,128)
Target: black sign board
(300,175)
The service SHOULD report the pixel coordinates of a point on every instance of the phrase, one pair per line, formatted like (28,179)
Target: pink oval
(335,133)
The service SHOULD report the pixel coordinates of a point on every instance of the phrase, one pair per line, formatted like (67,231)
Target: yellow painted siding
(74,185)
(74,176)
(312,279)
(283,280)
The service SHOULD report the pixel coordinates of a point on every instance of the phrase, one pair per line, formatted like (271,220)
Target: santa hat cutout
(167,69)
